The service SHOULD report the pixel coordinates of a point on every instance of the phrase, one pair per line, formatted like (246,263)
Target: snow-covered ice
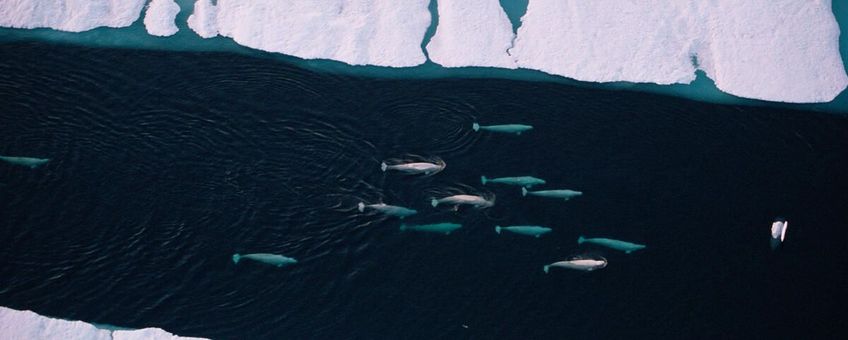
(609,40)
(27,325)
(69,15)
(472,33)
(160,16)
(774,50)
(202,20)
(357,32)
(777,50)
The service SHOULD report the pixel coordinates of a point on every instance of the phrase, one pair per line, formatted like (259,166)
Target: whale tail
(498,229)
(523,191)
(360,206)
(546,268)
(475,126)
(434,202)
(483,180)
(236,258)
(384,166)
(402,227)
(581,239)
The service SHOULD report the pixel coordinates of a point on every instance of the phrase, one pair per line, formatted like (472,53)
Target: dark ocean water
(164,164)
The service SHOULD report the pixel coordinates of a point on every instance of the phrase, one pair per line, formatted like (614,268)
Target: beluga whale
(529,230)
(414,168)
(778,231)
(441,228)
(524,181)
(579,263)
(272,259)
(624,246)
(30,162)
(457,200)
(563,193)
(505,128)
(391,210)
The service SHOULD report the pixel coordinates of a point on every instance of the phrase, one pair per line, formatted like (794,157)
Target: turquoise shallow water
(135,36)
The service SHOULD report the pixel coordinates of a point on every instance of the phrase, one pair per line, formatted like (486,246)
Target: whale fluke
(384,166)
(546,268)
(475,126)
(483,179)
(523,191)
(581,239)
(498,229)
(236,258)
(361,206)
(434,202)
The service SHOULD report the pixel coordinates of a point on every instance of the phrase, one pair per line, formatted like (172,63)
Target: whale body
(425,168)
(624,246)
(778,231)
(391,210)
(530,230)
(473,200)
(524,181)
(579,263)
(564,193)
(272,259)
(443,228)
(505,128)
(30,162)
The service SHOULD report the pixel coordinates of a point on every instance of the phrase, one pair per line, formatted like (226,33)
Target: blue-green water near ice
(136,37)
(164,164)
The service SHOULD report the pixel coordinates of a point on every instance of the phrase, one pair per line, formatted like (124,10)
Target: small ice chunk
(69,15)
(472,33)
(357,32)
(202,20)
(160,16)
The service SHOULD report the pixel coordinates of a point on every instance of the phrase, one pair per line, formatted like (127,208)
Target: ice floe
(357,32)
(773,50)
(25,325)
(69,15)
(160,16)
(777,50)
(472,33)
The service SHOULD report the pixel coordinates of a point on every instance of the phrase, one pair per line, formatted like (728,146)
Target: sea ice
(357,32)
(26,325)
(69,15)
(609,40)
(472,33)
(160,16)
(777,50)
(774,50)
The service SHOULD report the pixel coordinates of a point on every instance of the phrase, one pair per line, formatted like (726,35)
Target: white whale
(391,210)
(30,162)
(425,168)
(579,263)
(778,231)
(472,200)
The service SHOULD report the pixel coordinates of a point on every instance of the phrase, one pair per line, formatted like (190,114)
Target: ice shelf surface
(69,15)
(472,33)
(775,50)
(26,325)
(357,32)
